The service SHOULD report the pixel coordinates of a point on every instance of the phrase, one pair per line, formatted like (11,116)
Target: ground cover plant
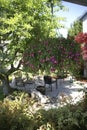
(15,114)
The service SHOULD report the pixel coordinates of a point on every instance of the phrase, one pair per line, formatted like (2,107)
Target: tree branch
(13,69)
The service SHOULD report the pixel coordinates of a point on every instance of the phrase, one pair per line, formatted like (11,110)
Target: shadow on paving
(64,87)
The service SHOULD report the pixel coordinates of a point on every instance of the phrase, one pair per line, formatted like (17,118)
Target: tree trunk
(6,87)
(85,69)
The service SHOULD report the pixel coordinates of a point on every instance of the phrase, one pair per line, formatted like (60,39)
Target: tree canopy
(21,24)
(28,38)
(75,28)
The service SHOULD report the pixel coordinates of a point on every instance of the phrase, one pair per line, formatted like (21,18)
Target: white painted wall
(85,24)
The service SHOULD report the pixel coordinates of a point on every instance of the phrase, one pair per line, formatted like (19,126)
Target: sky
(74,12)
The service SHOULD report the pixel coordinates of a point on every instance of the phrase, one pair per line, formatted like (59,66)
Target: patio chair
(49,80)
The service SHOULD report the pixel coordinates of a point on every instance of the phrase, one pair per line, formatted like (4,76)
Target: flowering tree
(82,39)
(53,55)
(22,23)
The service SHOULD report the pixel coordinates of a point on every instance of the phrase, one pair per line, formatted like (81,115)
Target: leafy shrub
(70,117)
(15,114)
(1,94)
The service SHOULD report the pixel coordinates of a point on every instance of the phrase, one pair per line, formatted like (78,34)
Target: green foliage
(22,23)
(1,94)
(75,28)
(70,117)
(15,114)
(53,55)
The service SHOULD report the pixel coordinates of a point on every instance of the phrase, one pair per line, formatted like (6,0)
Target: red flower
(81,38)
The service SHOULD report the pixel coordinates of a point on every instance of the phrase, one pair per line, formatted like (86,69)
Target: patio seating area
(65,91)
